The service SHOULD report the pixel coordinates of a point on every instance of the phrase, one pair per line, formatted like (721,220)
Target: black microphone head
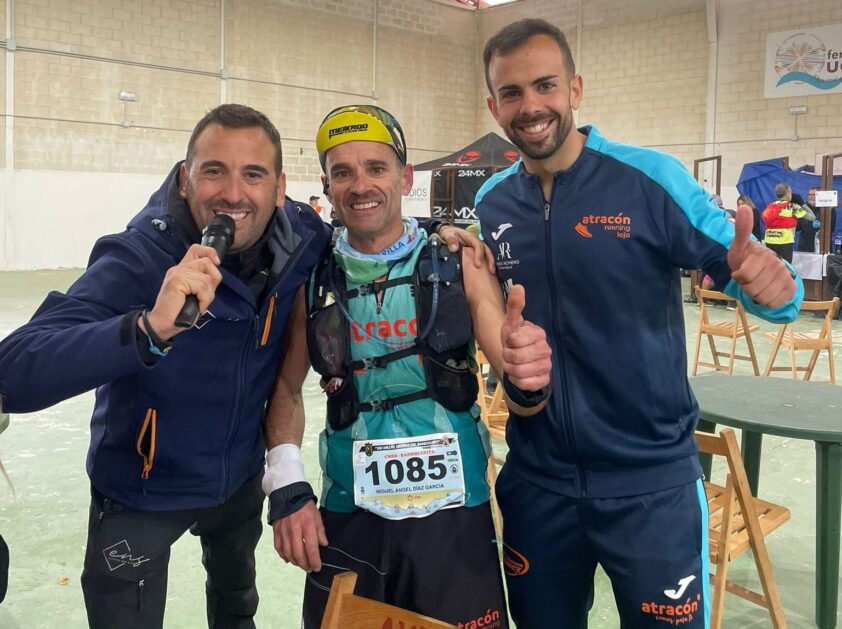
(219,234)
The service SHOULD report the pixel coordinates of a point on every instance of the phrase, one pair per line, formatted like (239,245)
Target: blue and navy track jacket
(208,394)
(599,261)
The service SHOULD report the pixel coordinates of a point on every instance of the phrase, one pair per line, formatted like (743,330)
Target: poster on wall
(804,62)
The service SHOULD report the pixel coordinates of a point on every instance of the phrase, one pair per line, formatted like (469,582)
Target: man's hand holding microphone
(189,287)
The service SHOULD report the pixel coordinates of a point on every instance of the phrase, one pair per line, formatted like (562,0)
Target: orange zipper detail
(150,424)
(270,313)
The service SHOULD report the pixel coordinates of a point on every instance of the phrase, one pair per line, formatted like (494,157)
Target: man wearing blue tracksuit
(596,232)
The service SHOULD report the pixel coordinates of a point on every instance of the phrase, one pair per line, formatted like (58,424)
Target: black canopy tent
(457,177)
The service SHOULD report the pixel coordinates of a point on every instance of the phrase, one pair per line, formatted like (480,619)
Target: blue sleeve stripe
(494,180)
(700,210)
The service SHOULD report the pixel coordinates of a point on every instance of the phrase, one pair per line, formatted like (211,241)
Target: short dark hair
(234,116)
(314,197)
(515,35)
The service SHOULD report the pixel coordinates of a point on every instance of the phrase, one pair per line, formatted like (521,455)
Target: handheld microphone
(219,234)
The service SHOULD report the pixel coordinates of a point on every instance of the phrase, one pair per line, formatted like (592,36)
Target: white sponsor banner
(826,198)
(417,202)
(804,62)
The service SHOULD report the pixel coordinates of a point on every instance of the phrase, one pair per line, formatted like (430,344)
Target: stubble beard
(549,146)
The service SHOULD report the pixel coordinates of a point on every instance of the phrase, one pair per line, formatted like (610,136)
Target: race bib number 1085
(409,477)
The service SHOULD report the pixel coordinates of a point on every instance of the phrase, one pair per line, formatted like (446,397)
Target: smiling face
(533,98)
(232,172)
(366,183)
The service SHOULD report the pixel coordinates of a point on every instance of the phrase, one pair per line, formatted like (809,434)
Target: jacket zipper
(555,317)
(241,375)
(150,426)
(270,314)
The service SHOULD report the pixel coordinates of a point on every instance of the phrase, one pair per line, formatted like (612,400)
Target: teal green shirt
(377,331)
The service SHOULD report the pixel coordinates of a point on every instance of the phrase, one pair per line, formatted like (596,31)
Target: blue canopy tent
(758,180)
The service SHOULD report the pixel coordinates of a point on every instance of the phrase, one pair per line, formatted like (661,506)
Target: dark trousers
(125,575)
(784,251)
(445,565)
(653,547)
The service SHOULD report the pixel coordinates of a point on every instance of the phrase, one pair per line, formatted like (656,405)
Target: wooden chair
(739,522)
(494,414)
(346,610)
(816,343)
(732,330)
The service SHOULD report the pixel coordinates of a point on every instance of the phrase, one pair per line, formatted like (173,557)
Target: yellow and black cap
(360,122)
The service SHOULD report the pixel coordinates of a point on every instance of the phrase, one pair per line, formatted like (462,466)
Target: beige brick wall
(160,32)
(56,95)
(645,78)
(298,60)
(750,127)
(2,85)
(3,54)
(97,148)
(280,42)
(429,81)
(644,67)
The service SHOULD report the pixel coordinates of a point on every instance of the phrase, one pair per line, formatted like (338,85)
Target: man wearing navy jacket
(596,232)
(177,429)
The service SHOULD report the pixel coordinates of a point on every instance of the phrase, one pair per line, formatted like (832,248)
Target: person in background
(757,223)
(314,203)
(781,217)
(807,229)
(596,231)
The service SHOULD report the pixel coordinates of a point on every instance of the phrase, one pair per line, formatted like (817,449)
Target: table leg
(706,460)
(750,449)
(828,518)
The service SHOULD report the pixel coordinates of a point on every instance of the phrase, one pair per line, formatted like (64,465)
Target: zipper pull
(546,210)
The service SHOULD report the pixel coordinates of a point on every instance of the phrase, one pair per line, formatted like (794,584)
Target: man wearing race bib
(390,318)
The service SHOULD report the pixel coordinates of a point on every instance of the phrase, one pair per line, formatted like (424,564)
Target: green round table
(798,410)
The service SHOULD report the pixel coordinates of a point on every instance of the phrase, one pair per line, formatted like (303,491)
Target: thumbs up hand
(526,354)
(760,273)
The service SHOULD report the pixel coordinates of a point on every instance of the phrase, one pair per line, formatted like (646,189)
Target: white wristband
(283,467)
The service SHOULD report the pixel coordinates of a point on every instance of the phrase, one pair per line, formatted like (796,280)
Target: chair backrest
(739,521)
(346,610)
(831,306)
(735,329)
(702,294)
(492,406)
(813,342)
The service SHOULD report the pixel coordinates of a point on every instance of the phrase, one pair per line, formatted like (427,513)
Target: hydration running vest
(437,329)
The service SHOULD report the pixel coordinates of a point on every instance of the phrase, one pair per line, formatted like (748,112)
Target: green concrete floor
(45,525)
